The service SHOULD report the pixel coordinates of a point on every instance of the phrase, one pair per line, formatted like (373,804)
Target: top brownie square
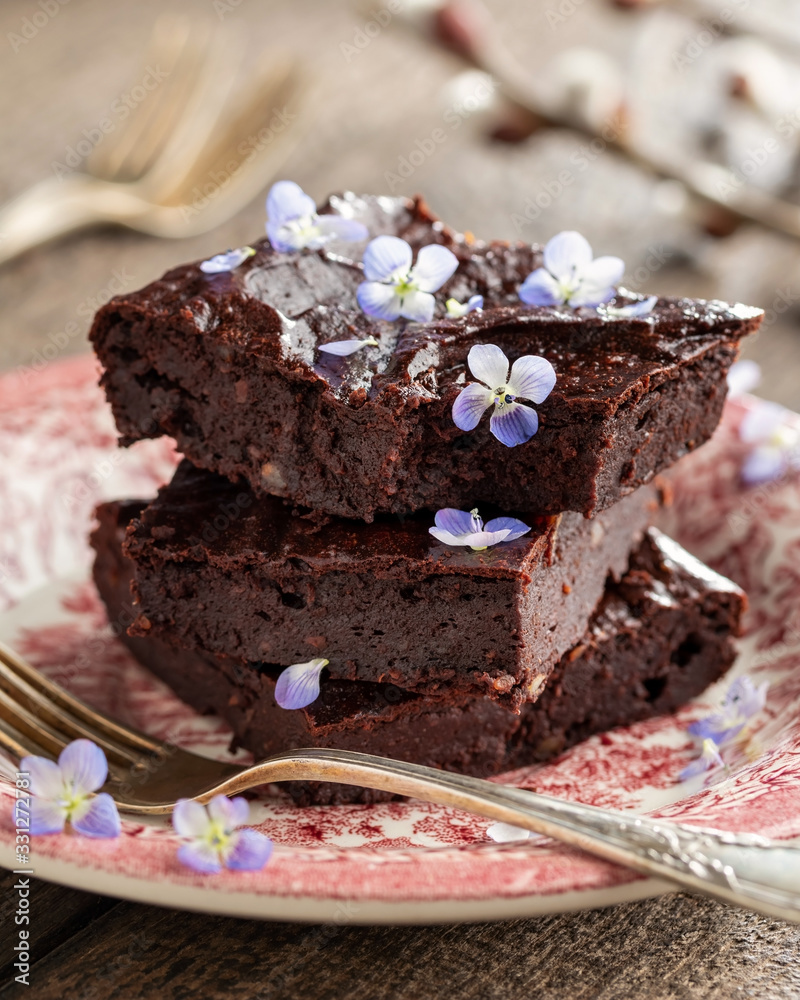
(228,364)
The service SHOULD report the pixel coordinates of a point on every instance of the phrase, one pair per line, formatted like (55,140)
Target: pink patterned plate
(397,862)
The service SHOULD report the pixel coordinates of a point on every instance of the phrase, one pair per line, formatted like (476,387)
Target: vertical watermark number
(22,886)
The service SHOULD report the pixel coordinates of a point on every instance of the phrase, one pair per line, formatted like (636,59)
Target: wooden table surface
(374,106)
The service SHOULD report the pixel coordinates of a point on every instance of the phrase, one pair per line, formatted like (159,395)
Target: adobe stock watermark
(224,7)
(366,33)
(202,195)
(119,111)
(712,29)
(35,22)
(562,12)
(22,885)
(60,340)
(453,118)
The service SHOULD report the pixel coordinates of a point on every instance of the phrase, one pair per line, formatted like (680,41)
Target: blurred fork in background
(187,158)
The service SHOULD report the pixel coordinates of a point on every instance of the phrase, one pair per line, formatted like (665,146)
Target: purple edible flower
(512,422)
(457,527)
(635,310)
(456,309)
(741,704)
(214,840)
(394,288)
(228,261)
(570,276)
(298,685)
(775,443)
(293,222)
(342,348)
(709,758)
(62,792)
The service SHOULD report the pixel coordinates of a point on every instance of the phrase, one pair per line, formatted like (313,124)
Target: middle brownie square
(220,570)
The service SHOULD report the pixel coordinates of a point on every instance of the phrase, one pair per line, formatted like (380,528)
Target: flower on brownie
(741,704)
(342,348)
(459,527)
(293,222)
(512,422)
(63,792)
(456,309)
(227,261)
(298,685)
(394,287)
(214,838)
(571,276)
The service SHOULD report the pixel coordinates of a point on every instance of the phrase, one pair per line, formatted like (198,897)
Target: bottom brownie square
(659,636)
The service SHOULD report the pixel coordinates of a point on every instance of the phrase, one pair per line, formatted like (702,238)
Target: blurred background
(667,132)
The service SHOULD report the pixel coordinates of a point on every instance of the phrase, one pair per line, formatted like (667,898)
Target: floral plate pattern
(401,861)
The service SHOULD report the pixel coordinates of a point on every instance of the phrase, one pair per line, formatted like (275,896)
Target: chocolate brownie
(222,570)
(228,365)
(658,637)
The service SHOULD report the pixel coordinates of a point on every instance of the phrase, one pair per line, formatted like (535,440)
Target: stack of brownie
(297,526)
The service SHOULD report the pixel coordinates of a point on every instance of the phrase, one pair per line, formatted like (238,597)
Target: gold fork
(175,142)
(147,777)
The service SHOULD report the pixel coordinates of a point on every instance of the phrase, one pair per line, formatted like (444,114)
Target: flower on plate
(775,441)
(227,261)
(298,685)
(457,527)
(394,288)
(506,833)
(742,702)
(293,222)
(62,792)
(743,376)
(215,842)
(344,347)
(708,759)
(456,309)
(570,276)
(512,422)
(633,310)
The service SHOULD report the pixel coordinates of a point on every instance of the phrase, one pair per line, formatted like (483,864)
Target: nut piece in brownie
(221,570)
(659,637)
(229,365)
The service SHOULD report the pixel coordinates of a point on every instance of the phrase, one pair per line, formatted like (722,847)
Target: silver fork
(178,139)
(147,777)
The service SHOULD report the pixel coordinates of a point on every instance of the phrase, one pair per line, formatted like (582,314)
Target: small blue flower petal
(540,289)
(417,306)
(230,813)
(514,527)
(100,819)
(287,201)
(567,253)
(717,727)
(532,378)
(250,851)
(189,818)
(298,685)
(435,265)
(386,257)
(470,405)
(455,309)
(226,261)
(456,522)
(45,777)
(488,364)
(379,300)
(334,227)
(709,758)
(344,348)
(47,816)
(83,766)
(745,698)
(597,281)
(200,857)
(514,424)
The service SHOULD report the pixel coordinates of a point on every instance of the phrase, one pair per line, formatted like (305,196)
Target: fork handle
(743,869)
(56,206)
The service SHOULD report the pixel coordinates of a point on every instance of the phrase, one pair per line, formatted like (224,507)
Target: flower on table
(459,527)
(507,833)
(294,224)
(512,422)
(571,276)
(775,442)
(298,685)
(227,261)
(634,310)
(709,758)
(343,348)
(394,288)
(456,309)
(215,840)
(63,792)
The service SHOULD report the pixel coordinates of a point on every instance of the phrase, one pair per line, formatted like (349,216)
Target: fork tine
(19,678)
(17,744)
(125,155)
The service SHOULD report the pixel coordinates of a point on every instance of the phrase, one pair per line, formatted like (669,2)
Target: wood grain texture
(374,107)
